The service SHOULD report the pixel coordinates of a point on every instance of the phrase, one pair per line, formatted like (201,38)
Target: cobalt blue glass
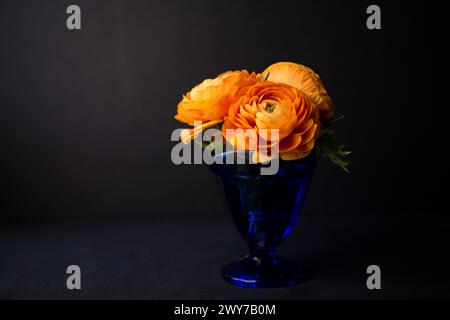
(265,208)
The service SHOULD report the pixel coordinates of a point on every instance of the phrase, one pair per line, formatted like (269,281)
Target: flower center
(270,107)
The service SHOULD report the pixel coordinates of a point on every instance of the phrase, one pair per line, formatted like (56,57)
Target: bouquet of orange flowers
(287,97)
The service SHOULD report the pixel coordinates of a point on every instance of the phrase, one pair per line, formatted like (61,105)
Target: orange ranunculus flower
(211,99)
(304,79)
(269,105)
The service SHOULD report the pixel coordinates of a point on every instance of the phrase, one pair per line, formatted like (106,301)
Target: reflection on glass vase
(265,208)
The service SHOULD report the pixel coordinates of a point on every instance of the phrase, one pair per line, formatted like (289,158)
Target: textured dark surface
(175,258)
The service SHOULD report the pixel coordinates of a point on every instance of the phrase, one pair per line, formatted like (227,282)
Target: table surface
(182,257)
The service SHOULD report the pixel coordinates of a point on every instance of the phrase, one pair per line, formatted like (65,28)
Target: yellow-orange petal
(187,135)
(290,143)
(309,135)
(298,153)
(304,79)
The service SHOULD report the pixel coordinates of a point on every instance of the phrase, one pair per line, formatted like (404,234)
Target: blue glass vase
(265,208)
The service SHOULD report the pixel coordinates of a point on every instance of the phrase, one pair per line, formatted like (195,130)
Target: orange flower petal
(304,79)
(187,135)
(211,99)
(299,152)
(290,143)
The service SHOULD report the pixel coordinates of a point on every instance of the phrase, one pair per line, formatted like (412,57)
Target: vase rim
(305,166)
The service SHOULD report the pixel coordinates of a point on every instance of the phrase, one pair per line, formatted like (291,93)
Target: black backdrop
(86,116)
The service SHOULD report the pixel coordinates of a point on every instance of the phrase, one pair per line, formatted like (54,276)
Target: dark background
(85,124)
(86,116)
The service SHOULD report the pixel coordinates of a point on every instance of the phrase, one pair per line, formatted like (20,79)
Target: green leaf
(330,147)
(335,120)
(267,76)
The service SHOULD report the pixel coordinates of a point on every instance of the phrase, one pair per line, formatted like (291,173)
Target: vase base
(267,272)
